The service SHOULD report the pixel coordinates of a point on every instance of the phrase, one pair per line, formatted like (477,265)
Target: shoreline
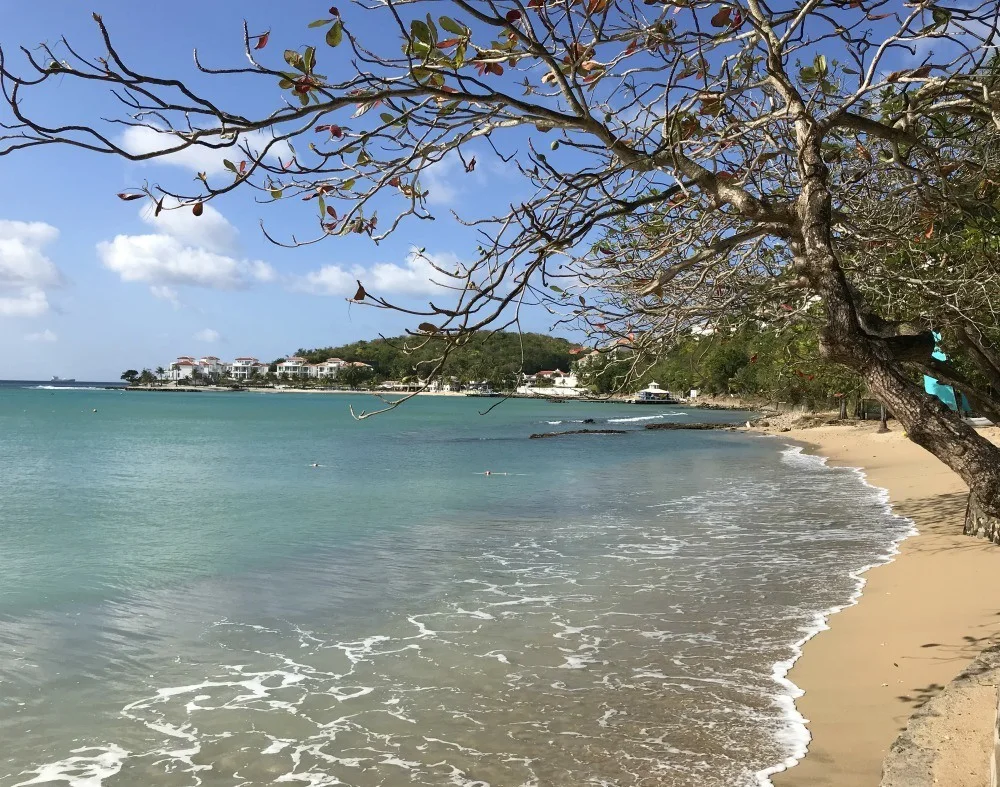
(907,631)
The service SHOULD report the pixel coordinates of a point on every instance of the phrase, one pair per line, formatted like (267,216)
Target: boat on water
(654,394)
(63,380)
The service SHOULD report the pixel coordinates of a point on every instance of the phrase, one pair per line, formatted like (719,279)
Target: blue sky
(91,285)
(96,285)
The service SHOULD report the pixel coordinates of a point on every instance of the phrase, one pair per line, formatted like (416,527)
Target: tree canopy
(497,358)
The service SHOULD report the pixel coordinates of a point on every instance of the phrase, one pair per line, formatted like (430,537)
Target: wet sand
(920,620)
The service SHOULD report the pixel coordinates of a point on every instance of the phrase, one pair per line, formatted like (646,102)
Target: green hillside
(494,357)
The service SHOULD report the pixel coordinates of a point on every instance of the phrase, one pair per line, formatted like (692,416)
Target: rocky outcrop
(952,738)
(673,426)
(541,435)
(979,523)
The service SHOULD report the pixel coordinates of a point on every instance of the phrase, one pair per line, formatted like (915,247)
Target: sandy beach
(920,620)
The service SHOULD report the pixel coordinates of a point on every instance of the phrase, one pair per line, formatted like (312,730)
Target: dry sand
(919,622)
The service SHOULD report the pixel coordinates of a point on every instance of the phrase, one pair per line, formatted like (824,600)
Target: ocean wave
(64,387)
(796,734)
(643,418)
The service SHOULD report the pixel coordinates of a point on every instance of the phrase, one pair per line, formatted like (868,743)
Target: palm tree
(160,371)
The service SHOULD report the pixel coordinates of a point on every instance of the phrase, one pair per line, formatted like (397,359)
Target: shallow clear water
(185,600)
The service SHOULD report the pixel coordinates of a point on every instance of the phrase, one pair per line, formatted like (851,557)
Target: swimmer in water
(487,473)
(314,464)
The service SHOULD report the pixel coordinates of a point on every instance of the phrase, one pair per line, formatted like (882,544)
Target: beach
(920,620)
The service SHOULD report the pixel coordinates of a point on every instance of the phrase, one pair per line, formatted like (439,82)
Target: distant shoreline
(701,404)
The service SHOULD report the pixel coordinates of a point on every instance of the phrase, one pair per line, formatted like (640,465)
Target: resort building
(326,369)
(294,367)
(245,368)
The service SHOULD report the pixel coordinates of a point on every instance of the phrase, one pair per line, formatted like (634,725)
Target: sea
(227,589)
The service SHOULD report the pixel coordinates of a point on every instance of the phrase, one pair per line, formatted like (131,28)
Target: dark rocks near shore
(672,426)
(540,435)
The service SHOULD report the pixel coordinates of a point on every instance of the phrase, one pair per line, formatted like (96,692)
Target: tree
(160,372)
(146,377)
(701,161)
(130,376)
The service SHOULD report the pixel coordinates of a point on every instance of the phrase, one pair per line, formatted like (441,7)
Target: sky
(91,285)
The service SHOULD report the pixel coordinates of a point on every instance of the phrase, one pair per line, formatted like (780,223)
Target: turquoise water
(185,600)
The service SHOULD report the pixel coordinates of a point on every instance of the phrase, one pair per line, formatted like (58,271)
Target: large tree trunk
(927,421)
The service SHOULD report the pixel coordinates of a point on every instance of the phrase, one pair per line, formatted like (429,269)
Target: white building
(182,369)
(294,367)
(244,368)
(326,369)
(562,384)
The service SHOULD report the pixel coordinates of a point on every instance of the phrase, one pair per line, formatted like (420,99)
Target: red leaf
(471,165)
(753,358)
(334,11)
(875,17)
(243,167)
(930,231)
(197,209)
(448,42)
(262,40)
(129,197)
(921,73)
(360,294)
(513,16)
(721,18)
(394,182)
(632,46)
(332,213)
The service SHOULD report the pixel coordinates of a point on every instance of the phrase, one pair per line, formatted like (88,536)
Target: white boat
(61,380)
(653,394)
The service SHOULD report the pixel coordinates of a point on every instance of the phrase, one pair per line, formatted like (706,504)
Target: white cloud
(29,302)
(198,158)
(439,181)
(165,293)
(415,277)
(162,260)
(41,336)
(188,250)
(211,230)
(207,335)
(25,272)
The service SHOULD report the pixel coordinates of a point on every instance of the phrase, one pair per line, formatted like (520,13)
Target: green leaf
(294,59)
(433,29)
(387,118)
(335,34)
(230,166)
(286,84)
(554,288)
(349,184)
(808,74)
(820,64)
(309,59)
(555,144)
(420,32)
(941,16)
(322,206)
(364,158)
(452,26)
(847,70)
(320,23)
(276,193)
